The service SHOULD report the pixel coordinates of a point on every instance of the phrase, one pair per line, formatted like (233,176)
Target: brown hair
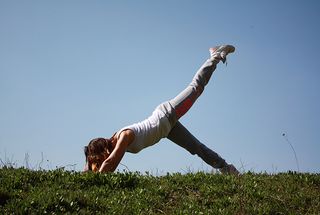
(97,147)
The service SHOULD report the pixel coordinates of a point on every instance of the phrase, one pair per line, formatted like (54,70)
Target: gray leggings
(181,104)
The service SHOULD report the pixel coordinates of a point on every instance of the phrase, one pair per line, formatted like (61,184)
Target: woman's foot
(229,169)
(221,52)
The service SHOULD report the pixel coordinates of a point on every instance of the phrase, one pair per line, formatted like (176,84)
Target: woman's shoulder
(127,134)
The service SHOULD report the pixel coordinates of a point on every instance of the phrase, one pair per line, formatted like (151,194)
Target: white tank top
(149,131)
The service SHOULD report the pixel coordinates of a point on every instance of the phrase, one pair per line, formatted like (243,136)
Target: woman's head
(96,152)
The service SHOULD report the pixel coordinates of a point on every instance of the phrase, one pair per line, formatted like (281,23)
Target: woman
(104,155)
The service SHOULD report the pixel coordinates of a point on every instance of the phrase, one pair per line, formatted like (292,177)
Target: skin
(111,161)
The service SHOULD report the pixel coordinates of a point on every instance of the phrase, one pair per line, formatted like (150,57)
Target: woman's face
(94,167)
(97,160)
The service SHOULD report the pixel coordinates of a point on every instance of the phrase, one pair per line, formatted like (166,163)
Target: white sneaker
(221,52)
(229,169)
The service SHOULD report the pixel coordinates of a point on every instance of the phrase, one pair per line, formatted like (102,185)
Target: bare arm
(110,164)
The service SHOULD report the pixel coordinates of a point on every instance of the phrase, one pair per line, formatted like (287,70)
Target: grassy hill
(25,191)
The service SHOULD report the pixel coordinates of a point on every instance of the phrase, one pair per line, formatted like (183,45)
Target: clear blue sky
(74,70)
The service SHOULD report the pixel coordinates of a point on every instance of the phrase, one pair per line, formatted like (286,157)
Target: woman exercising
(104,155)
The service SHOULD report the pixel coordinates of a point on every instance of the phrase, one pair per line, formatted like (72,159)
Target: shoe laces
(224,58)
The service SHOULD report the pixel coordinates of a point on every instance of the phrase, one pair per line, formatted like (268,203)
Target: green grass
(25,191)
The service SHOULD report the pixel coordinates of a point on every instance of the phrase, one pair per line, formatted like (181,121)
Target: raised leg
(183,102)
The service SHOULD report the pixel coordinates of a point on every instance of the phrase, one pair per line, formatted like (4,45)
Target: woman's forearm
(108,166)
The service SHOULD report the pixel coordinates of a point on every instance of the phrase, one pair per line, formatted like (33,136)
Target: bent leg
(181,136)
